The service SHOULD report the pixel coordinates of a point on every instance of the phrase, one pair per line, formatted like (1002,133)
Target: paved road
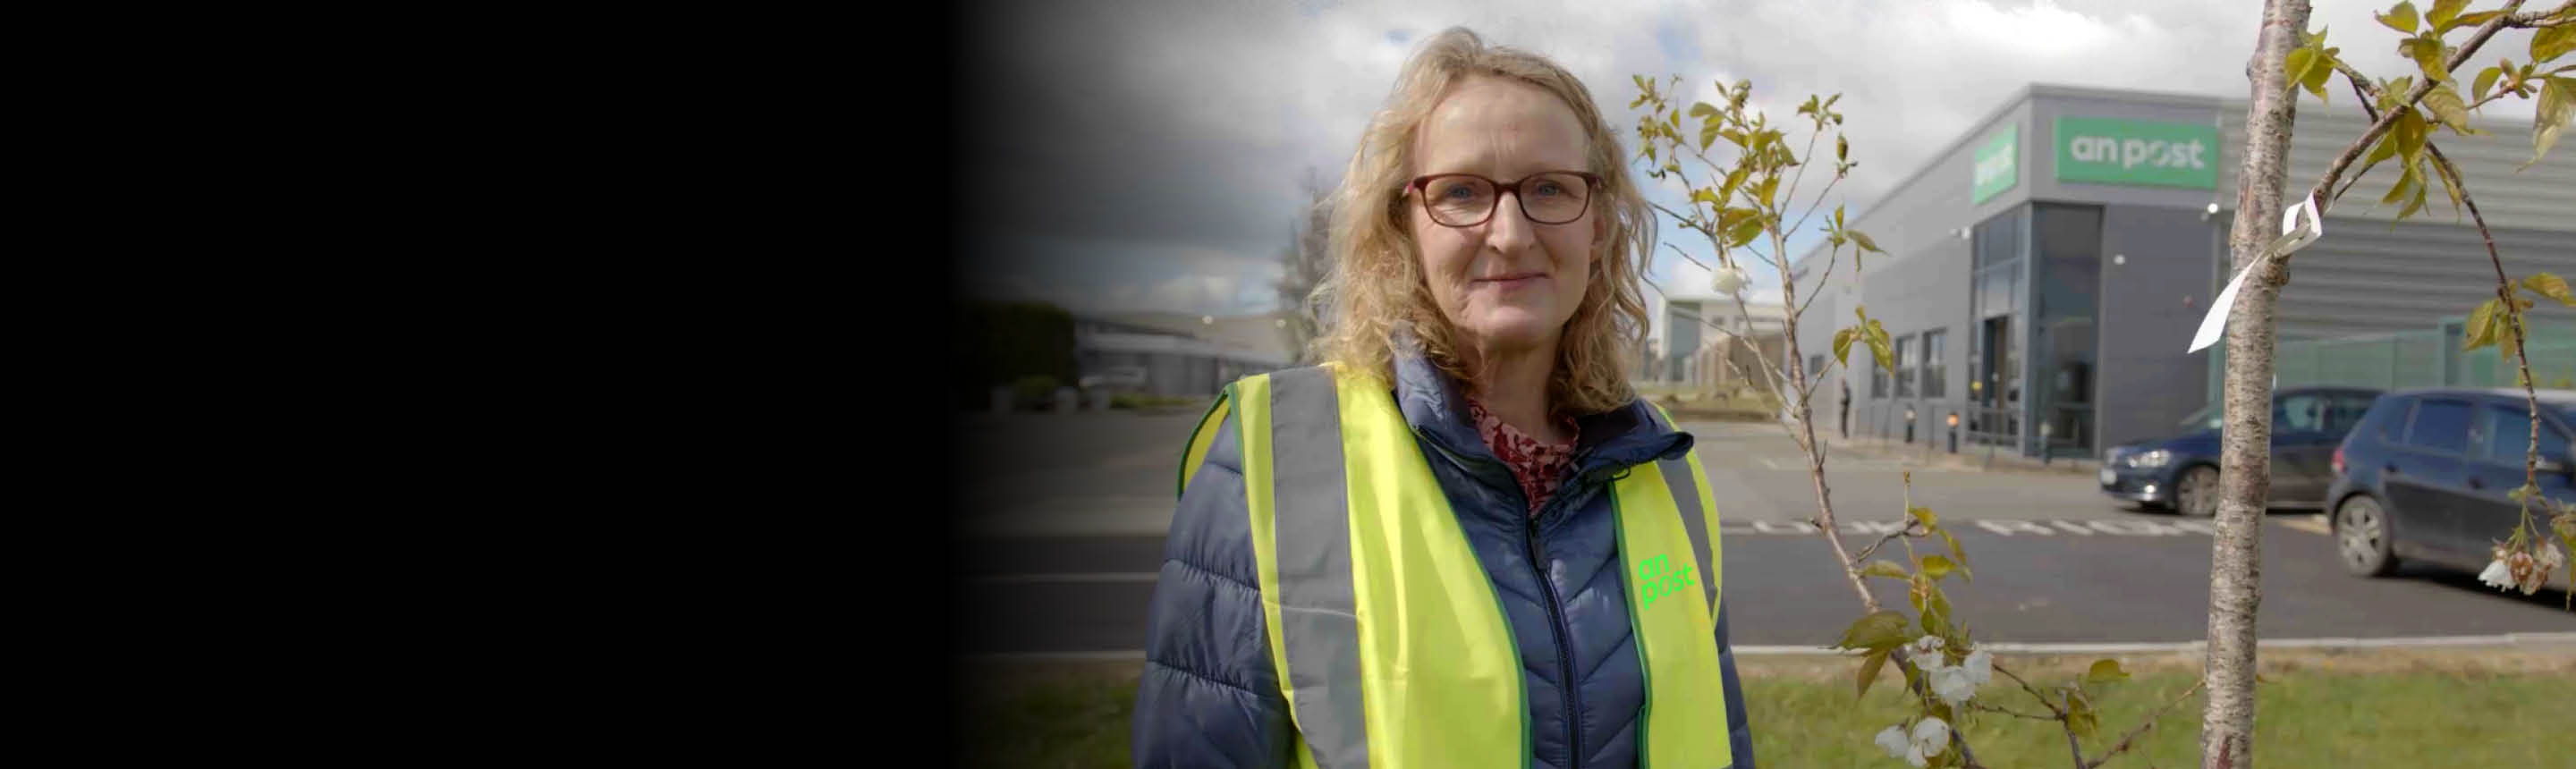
(1067,547)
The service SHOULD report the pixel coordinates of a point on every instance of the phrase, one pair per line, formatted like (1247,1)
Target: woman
(1463,540)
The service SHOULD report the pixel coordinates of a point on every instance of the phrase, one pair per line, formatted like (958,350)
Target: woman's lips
(1508,282)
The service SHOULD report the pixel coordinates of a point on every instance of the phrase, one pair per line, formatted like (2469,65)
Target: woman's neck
(1512,384)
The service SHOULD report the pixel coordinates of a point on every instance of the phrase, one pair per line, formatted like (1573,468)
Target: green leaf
(2406,182)
(1701,109)
(1869,671)
(2481,328)
(1705,195)
(2486,78)
(2299,63)
(1708,134)
(2557,104)
(2323,73)
(1744,232)
(1842,344)
(2549,285)
(1957,554)
(2427,53)
(1930,519)
(1885,568)
(2387,148)
(1769,185)
(2449,187)
(2470,19)
(2411,129)
(2442,12)
(1842,148)
(1865,243)
(1838,216)
(2105,671)
(1881,630)
(1879,347)
(1936,567)
(1734,179)
(2552,42)
(2447,107)
(2080,717)
(2400,18)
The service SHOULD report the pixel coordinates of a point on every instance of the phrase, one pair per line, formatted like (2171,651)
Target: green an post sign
(1998,163)
(2113,151)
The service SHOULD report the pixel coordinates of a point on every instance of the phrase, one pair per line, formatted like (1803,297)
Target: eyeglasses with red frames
(1467,200)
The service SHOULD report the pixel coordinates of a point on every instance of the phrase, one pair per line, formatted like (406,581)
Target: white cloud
(1203,117)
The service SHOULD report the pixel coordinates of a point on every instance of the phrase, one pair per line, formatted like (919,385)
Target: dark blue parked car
(2181,472)
(2426,474)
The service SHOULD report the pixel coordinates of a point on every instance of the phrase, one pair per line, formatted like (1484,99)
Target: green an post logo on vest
(2113,151)
(1656,579)
(1998,164)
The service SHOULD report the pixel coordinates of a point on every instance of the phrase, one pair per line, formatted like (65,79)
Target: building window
(1934,375)
(1905,364)
(1877,376)
(1815,366)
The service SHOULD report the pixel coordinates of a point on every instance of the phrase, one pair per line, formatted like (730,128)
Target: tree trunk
(2245,463)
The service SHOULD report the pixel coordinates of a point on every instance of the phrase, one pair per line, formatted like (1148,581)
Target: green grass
(2337,716)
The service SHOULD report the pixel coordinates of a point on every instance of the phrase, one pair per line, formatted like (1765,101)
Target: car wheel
(2196,494)
(2362,537)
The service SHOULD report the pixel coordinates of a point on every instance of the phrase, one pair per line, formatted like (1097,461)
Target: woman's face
(1509,283)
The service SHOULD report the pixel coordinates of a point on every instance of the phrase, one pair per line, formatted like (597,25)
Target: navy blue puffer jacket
(1210,696)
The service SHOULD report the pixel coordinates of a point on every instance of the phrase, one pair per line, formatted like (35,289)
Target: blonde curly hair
(1376,287)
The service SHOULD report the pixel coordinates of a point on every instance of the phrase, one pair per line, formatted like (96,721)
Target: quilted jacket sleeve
(1739,732)
(1210,696)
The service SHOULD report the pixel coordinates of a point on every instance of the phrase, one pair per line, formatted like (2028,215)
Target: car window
(2441,426)
(2343,412)
(2508,435)
(2299,412)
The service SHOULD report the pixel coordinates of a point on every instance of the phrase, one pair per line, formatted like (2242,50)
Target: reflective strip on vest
(1391,642)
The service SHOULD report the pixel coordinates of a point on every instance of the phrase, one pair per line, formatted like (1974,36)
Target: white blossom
(1726,280)
(1924,648)
(2497,575)
(1931,736)
(1914,755)
(1952,684)
(1980,665)
(1894,742)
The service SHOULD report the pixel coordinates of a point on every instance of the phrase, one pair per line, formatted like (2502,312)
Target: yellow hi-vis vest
(1389,638)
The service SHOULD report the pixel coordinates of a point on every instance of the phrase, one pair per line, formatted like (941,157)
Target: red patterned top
(1535,464)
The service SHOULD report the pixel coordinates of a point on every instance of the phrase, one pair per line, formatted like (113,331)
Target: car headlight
(2156,458)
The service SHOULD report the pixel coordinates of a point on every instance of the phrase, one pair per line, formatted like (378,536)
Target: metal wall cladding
(2369,277)
(2542,197)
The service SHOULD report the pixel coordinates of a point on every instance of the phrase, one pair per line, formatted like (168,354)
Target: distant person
(1846,409)
(1463,540)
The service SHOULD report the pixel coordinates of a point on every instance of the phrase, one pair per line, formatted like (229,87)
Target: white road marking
(1999,647)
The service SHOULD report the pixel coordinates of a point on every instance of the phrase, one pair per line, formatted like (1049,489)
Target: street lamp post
(1954,432)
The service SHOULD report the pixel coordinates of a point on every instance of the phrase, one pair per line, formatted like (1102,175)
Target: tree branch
(2132,736)
(2381,126)
(2504,285)
(1866,552)
(2007,711)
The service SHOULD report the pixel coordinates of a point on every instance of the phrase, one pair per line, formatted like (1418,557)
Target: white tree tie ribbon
(2296,233)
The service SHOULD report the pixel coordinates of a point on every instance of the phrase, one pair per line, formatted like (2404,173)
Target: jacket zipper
(1555,613)
(1556,625)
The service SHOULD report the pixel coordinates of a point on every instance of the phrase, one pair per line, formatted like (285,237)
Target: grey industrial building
(2048,268)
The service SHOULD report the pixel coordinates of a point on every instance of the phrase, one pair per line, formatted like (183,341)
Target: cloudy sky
(1150,155)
